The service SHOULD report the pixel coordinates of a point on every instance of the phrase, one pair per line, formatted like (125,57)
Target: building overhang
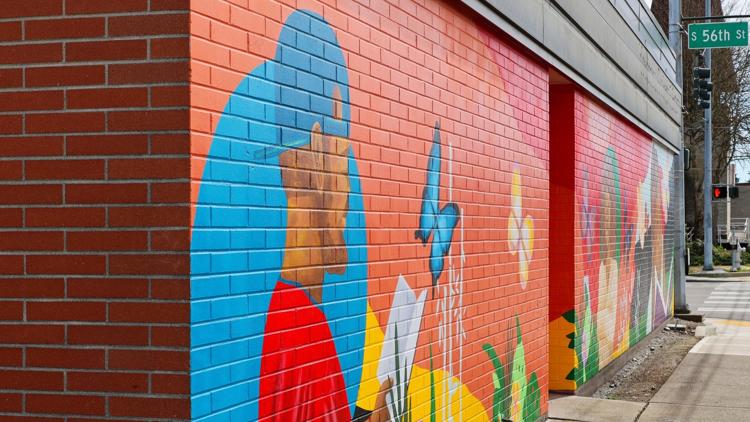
(613,49)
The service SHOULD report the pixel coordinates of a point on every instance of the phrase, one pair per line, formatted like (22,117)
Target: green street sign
(717,35)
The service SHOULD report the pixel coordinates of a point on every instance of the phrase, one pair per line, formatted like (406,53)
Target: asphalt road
(723,299)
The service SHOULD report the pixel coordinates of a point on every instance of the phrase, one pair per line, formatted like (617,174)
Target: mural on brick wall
(624,244)
(284,323)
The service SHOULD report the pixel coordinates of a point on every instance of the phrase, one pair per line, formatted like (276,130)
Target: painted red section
(300,374)
(562,201)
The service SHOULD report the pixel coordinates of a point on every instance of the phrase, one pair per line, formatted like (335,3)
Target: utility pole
(730,182)
(675,41)
(708,257)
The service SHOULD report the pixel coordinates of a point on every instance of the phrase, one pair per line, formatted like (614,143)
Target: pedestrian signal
(720,192)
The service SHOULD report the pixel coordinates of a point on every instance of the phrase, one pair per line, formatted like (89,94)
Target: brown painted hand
(380,412)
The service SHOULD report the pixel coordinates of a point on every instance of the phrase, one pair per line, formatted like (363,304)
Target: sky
(743,168)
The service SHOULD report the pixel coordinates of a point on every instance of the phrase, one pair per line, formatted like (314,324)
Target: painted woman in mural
(301,375)
(281,179)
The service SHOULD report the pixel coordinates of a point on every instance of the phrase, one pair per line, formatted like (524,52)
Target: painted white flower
(520,230)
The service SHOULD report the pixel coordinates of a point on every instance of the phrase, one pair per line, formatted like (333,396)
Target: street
(720,299)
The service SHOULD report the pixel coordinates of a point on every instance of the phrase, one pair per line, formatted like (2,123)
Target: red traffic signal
(719,192)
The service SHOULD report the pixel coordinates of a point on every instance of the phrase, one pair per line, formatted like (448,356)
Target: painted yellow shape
(516,406)
(419,387)
(419,392)
(527,247)
(624,343)
(515,188)
(565,357)
(514,225)
(731,322)
(369,384)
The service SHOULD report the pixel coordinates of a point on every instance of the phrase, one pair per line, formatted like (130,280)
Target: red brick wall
(94,189)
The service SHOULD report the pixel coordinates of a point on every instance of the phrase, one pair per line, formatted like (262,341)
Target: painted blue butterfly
(439,222)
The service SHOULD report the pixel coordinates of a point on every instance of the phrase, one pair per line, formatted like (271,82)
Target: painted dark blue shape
(239,232)
(435,221)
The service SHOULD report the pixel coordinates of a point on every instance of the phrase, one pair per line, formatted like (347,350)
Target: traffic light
(734,192)
(702,86)
(719,192)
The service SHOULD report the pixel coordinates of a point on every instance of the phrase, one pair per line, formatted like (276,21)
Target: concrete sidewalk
(587,409)
(712,384)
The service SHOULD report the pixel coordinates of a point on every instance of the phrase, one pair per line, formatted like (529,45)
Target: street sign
(717,35)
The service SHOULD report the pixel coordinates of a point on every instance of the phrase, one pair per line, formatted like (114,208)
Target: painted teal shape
(239,230)
(433,220)
(617,193)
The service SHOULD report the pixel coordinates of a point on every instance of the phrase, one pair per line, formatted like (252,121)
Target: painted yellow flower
(520,230)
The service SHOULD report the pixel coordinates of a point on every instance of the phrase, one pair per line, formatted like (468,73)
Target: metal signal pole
(708,258)
(675,40)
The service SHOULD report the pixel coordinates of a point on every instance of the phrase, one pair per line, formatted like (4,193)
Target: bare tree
(730,74)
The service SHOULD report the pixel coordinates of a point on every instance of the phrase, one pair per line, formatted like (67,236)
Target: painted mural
(624,243)
(301,312)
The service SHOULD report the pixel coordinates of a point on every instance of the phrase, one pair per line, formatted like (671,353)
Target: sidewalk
(712,384)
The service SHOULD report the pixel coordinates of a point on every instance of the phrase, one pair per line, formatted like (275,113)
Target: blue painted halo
(239,231)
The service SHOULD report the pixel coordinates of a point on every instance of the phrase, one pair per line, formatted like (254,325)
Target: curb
(714,276)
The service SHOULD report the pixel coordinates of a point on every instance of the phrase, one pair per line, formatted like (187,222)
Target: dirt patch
(648,370)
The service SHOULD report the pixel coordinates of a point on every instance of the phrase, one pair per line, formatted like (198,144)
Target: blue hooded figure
(278,252)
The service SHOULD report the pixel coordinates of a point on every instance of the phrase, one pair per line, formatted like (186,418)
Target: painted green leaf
(572,342)
(518,376)
(532,408)
(570,316)
(496,381)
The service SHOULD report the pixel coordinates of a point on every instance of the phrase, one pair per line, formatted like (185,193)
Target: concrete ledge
(705,331)
(690,317)
(716,274)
